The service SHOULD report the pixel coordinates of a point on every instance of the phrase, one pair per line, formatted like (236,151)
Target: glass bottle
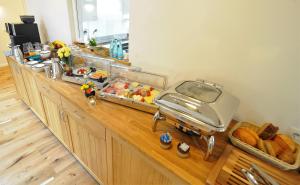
(111,48)
(120,54)
(115,50)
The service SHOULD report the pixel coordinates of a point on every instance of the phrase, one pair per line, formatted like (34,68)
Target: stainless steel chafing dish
(200,106)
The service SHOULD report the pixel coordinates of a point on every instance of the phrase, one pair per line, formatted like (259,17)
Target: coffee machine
(20,33)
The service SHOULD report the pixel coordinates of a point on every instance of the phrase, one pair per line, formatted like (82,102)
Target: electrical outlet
(295,133)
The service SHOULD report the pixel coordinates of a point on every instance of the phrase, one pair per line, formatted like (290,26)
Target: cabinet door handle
(64,115)
(76,113)
(61,115)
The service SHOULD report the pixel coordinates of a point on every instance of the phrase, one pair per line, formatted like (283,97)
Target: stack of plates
(48,62)
(31,63)
(38,67)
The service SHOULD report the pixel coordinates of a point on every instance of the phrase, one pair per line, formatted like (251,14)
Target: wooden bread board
(260,154)
(227,171)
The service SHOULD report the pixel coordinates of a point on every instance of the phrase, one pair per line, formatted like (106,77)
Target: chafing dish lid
(189,107)
(201,103)
(198,90)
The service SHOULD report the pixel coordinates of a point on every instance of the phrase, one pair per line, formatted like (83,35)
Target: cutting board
(227,170)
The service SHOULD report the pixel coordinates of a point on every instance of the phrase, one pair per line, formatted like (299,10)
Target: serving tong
(256,176)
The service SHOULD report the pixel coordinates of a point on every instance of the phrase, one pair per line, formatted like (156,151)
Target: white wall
(54,19)
(10,11)
(251,47)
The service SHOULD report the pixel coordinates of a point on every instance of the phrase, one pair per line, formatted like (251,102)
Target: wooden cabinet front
(127,166)
(18,78)
(57,121)
(34,95)
(90,148)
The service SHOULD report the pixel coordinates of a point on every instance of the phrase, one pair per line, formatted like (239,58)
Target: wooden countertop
(135,127)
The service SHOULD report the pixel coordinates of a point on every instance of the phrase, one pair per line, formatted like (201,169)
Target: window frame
(100,40)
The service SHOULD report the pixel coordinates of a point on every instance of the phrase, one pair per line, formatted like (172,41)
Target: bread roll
(267,131)
(287,156)
(246,135)
(273,148)
(285,142)
(261,145)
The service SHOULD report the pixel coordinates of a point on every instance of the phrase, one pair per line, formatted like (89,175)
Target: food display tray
(129,102)
(260,154)
(80,80)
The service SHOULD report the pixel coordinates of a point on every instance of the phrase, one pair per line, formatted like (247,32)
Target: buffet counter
(115,143)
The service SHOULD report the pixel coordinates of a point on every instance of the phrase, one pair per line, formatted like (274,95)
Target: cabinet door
(89,147)
(57,121)
(19,82)
(34,95)
(127,166)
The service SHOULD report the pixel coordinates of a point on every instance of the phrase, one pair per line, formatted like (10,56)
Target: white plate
(47,62)
(38,66)
(32,62)
(75,71)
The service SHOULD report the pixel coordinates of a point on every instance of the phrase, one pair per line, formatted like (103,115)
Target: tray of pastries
(266,143)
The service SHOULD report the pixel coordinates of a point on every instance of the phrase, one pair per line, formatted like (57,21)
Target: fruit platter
(81,71)
(132,94)
(98,76)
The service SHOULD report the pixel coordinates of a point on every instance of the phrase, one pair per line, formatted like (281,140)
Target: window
(103,19)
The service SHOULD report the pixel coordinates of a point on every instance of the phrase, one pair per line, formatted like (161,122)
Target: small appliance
(20,33)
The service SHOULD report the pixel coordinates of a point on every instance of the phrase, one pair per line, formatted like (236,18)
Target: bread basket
(260,154)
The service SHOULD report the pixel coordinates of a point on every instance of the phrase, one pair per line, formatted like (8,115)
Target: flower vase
(66,65)
(92,93)
(91,98)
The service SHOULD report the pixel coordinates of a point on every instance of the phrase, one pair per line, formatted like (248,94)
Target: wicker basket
(260,154)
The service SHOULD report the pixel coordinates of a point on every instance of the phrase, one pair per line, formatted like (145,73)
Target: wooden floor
(29,153)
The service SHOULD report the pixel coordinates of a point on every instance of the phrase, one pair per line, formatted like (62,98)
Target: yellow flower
(60,55)
(67,54)
(84,87)
(64,52)
(67,49)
